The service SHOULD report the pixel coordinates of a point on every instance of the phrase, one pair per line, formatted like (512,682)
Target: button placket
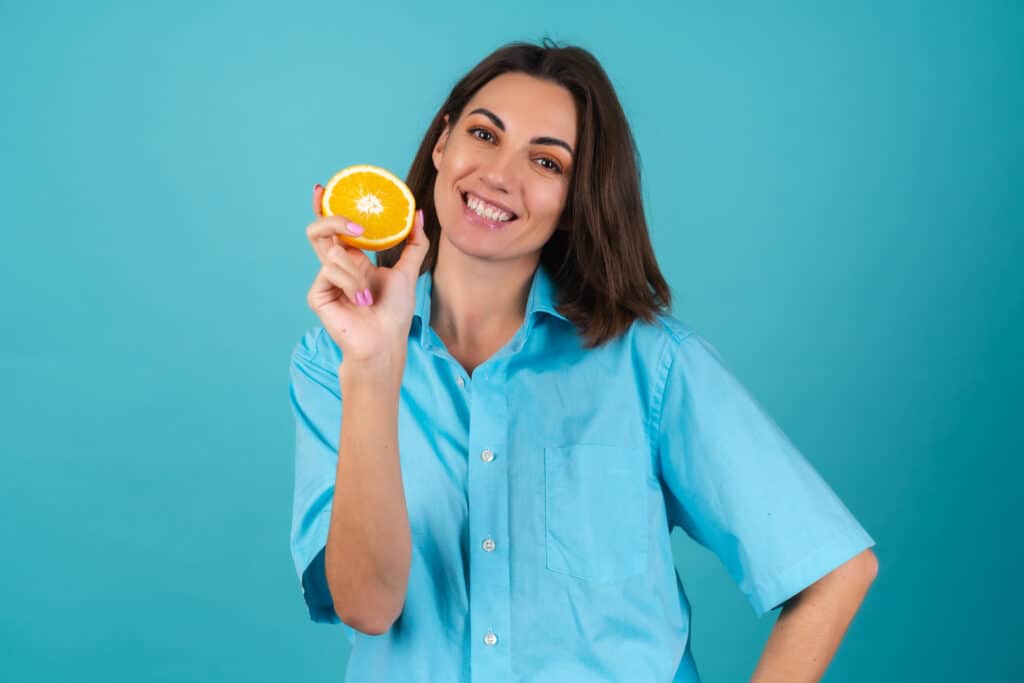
(487,496)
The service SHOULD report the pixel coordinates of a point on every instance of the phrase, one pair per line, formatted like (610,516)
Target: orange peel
(376,199)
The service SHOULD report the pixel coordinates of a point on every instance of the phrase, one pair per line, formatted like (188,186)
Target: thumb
(415,249)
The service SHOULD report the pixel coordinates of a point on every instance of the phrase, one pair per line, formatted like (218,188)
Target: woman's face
(513,147)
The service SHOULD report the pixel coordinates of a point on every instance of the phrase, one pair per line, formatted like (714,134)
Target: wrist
(383,369)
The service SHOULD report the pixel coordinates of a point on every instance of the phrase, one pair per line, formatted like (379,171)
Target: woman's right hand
(366,333)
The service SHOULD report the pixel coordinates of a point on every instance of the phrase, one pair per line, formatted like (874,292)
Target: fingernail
(355,228)
(368,297)
(318,186)
(360,299)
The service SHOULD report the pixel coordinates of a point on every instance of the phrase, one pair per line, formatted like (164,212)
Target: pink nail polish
(355,228)
(360,299)
(368,297)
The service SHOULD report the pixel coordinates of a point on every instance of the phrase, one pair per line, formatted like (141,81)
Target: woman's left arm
(812,623)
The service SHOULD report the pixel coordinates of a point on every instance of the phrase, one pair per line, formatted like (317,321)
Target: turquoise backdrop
(833,189)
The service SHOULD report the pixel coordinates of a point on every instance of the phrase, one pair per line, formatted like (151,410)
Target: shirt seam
(316,345)
(668,359)
(313,354)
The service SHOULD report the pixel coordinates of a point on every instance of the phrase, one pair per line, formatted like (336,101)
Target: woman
(525,423)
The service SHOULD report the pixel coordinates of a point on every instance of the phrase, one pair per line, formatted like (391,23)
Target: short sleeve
(739,487)
(315,397)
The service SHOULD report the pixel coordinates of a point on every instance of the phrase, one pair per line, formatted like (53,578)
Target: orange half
(375,199)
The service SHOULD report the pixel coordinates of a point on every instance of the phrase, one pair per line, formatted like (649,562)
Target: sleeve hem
(807,571)
(318,597)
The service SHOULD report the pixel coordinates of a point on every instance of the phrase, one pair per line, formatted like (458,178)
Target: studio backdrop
(833,190)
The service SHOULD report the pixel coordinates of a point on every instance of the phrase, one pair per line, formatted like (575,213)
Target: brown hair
(602,262)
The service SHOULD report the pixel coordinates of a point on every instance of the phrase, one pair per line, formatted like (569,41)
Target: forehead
(528,105)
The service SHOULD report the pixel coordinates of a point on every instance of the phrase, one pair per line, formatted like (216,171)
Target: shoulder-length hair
(601,260)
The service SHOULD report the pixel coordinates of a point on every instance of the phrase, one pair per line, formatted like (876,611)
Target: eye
(554,165)
(477,132)
(474,131)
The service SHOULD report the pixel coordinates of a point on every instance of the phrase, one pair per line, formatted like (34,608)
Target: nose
(498,173)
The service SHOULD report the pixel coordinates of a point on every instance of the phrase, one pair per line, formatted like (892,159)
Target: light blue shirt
(541,493)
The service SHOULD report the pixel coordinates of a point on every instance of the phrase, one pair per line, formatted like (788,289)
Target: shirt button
(490,638)
(460,381)
(488,544)
(487,455)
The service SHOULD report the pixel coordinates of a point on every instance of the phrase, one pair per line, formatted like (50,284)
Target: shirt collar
(541,299)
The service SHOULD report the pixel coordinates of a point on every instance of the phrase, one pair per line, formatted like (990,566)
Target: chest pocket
(595,511)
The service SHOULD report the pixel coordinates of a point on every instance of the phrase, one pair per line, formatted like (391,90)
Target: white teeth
(486,210)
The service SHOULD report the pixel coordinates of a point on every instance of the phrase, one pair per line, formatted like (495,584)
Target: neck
(474,302)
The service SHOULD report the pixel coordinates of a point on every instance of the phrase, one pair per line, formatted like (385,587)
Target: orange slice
(375,199)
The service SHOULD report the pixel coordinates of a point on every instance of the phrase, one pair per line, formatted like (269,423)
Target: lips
(473,217)
(465,199)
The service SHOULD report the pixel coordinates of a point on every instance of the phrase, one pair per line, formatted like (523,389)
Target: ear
(438,152)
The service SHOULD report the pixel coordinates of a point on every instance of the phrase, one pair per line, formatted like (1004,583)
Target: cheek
(548,199)
(441,196)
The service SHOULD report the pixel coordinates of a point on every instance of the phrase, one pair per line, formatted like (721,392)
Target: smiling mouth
(465,201)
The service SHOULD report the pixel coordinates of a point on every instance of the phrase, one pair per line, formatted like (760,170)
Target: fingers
(340,223)
(349,274)
(321,233)
(415,248)
(327,226)
(351,259)
(321,291)
(343,281)
(318,193)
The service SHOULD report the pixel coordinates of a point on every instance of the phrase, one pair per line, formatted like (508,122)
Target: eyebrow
(543,140)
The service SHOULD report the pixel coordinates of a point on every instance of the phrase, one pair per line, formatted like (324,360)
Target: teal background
(833,190)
